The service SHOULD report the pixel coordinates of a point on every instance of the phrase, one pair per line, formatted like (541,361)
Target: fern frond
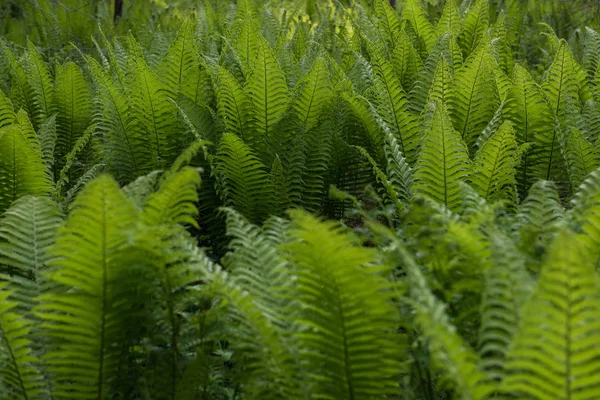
(507,286)
(7,113)
(495,162)
(313,95)
(387,21)
(392,105)
(244,181)
(414,15)
(88,324)
(450,20)
(580,156)
(174,201)
(42,84)
(585,213)
(453,357)
(19,367)
(47,138)
(233,106)
(268,92)
(443,161)
(73,100)
(399,172)
(346,316)
(474,95)
(405,60)
(553,355)
(22,170)
(474,26)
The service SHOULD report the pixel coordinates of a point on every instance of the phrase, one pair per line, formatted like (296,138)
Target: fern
(443,161)
(475,23)
(580,156)
(552,355)
(313,95)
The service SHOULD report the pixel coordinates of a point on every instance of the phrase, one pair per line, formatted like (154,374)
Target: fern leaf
(474,95)
(245,183)
(347,316)
(417,18)
(19,371)
(553,355)
(88,325)
(268,92)
(475,24)
(580,156)
(7,113)
(313,95)
(443,161)
(42,84)
(405,60)
(399,172)
(233,106)
(494,175)
(387,21)
(22,170)
(450,20)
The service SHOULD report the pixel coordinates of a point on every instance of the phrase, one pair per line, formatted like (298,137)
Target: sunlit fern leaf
(417,18)
(7,113)
(126,150)
(580,156)
(73,99)
(22,170)
(392,105)
(268,92)
(174,201)
(399,172)
(492,127)
(494,166)
(88,325)
(405,60)
(244,181)
(157,116)
(346,318)
(41,81)
(28,230)
(263,347)
(450,20)
(388,22)
(443,161)
(553,355)
(388,191)
(313,95)
(19,367)
(246,44)
(507,286)
(452,356)
(233,106)
(533,121)
(474,26)
(441,86)
(474,94)
(28,131)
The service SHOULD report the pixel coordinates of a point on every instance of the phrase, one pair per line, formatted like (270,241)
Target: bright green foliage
(443,162)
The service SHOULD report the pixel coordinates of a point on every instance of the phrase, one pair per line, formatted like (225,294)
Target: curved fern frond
(405,60)
(507,286)
(580,156)
(7,113)
(19,372)
(413,14)
(73,100)
(174,202)
(450,20)
(533,122)
(494,166)
(392,105)
(22,170)
(313,95)
(441,85)
(474,95)
(88,325)
(233,105)
(41,83)
(346,318)
(267,89)
(399,172)
(585,213)
(387,21)
(452,356)
(474,26)
(244,181)
(553,355)
(28,230)
(443,161)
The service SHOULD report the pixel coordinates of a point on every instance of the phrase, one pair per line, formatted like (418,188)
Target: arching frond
(7,113)
(474,26)
(420,24)
(313,95)
(450,21)
(233,106)
(405,60)
(580,156)
(494,166)
(443,161)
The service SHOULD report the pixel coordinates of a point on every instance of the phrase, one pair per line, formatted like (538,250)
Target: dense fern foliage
(299,200)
